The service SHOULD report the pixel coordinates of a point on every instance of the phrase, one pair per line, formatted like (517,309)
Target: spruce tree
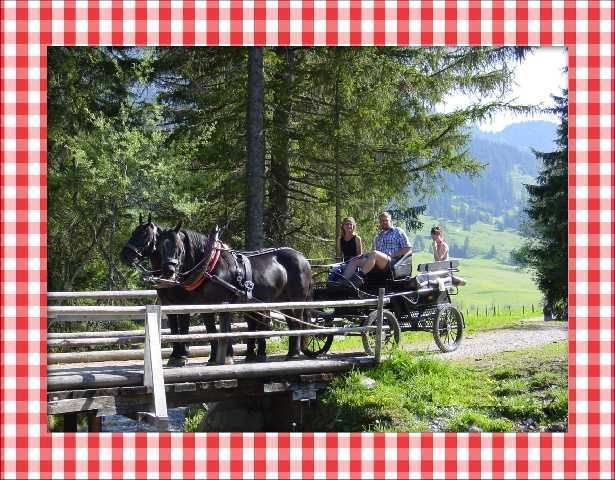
(546,230)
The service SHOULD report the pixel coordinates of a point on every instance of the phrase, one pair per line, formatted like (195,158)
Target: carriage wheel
(315,345)
(448,328)
(390,337)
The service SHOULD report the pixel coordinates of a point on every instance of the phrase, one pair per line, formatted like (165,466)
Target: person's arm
(359,243)
(445,252)
(400,253)
(441,255)
(404,245)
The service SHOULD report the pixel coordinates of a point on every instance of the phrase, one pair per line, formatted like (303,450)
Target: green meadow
(490,281)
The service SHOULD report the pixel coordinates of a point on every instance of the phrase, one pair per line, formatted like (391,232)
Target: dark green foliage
(546,231)
(348,131)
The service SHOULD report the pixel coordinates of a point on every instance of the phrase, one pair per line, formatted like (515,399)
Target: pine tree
(466,247)
(546,230)
(255,164)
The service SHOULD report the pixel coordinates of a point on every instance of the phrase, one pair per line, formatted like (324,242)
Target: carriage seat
(434,279)
(435,266)
(402,268)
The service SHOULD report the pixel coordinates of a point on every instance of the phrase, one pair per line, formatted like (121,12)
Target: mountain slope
(536,134)
(497,196)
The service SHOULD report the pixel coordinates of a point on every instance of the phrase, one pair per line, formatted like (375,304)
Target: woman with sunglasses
(349,242)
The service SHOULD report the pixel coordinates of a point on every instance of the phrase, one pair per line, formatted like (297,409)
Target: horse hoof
(261,358)
(229,361)
(251,358)
(177,361)
(294,356)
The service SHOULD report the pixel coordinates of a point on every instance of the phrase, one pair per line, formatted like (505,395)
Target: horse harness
(244,278)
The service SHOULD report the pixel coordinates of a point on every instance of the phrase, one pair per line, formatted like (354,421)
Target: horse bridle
(140,253)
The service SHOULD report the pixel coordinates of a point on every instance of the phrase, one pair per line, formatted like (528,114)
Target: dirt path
(530,332)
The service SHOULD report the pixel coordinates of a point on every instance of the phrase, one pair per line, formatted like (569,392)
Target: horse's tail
(310,293)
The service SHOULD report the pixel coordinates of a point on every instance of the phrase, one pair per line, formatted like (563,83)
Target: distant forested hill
(497,196)
(538,135)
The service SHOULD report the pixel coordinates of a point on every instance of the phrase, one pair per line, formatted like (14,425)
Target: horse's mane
(197,240)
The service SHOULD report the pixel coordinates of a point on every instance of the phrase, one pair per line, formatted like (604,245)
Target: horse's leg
(183,323)
(210,324)
(225,349)
(250,344)
(293,342)
(261,351)
(175,359)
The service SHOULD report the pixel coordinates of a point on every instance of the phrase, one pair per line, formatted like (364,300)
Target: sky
(539,76)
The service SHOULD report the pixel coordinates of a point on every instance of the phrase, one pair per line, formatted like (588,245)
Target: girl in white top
(440,248)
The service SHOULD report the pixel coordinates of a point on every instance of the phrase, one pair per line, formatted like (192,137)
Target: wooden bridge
(136,384)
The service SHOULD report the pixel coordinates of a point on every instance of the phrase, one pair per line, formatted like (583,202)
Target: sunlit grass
(419,393)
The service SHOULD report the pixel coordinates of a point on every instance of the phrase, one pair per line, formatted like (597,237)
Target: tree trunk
(255,170)
(337,160)
(279,215)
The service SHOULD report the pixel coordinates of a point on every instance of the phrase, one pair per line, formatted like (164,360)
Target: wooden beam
(79,342)
(103,294)
(55,318)
(94,310)
(120,355)
(125,333)
(116,377)
(265,333)
(153,376)
(104,405)
(257,307)
(229,307)
(131,400)
(111,338)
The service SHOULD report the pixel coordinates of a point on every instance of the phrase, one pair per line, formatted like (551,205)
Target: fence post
(379,315)
(153,378)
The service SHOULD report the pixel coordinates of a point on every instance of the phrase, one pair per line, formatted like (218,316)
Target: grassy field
(481,237)
(416,394)
(490,283)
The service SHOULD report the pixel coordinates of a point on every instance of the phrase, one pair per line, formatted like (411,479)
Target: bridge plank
(103,405)
(132,375)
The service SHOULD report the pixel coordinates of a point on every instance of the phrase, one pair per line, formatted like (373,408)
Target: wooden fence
(152,335)
(500,310)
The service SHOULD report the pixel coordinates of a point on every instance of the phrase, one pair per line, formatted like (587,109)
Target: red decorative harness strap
(211,264)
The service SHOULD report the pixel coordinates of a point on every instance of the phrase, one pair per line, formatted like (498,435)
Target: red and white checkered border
(28,451)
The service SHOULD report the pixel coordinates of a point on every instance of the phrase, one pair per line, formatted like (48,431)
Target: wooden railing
(152,314)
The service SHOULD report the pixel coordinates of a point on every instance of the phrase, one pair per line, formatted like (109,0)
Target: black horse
(280,274)
(142,245)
